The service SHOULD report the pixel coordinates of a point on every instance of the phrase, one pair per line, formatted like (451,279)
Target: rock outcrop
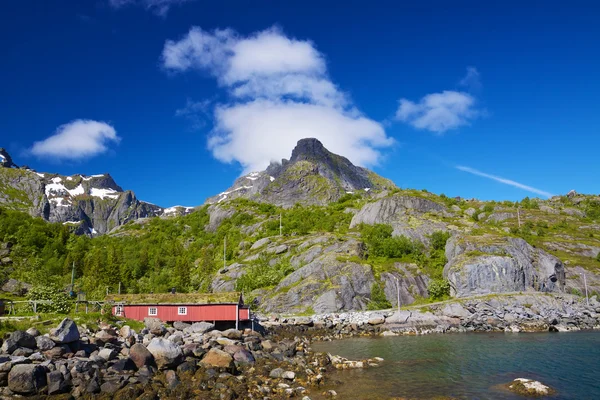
(489,264)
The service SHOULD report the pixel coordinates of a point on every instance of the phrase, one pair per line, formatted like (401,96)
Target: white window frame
(181,310)
(119,311)
(153,311)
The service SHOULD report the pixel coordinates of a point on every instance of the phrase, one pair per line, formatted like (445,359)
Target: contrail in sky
(503,180)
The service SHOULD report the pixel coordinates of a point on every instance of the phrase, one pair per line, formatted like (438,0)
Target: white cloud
(77,139)
(472,80)
(504,181)
(438,112)
(449,109)
(195,112)
(280,92)
(261,131)
(158,7)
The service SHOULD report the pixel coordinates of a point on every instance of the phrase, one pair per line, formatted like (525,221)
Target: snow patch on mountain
(102,193)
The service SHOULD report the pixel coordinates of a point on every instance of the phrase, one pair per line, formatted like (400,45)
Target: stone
(22,351)
(529,387)
(107,354)
(180,325)
(140,355)
(216,358)
(9,346)
(56,383)
(155,326)
(44,343)
(66,332)
(232,334)
(243,356)
(456,310)
(260,243)
(126,332)
(289,375)
(171,379)
(166,353)
(33,332)
(276,373)
(200,327)
(376,319)
(123,365)
(26,378)
(399,317)
(187,367)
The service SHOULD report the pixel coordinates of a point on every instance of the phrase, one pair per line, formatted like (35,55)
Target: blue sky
(177,98)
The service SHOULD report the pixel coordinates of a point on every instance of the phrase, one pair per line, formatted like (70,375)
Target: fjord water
(469,366)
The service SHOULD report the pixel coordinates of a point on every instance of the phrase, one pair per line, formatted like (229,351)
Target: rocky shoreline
(183,361)
(534,312)
(198,361)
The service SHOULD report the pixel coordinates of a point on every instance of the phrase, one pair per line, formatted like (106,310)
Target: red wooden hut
(185,307)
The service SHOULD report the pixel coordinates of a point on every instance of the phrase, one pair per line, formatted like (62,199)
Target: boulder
(33,332)
(126,332)
(107,354)
(216,358)
(171,379)
(140,355)
(529,387)
(180,325)
(26,378)
(455,310)
(166,353)
(232,334)
(44,343)
(399,317)
(9,346)
(243,356)
(66,332)
(200,327)
(376,319)
(56,383)
(155,326)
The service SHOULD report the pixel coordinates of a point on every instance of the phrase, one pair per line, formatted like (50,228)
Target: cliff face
(312,176)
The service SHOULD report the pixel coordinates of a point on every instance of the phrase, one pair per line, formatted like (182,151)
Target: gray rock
(26,378)
(376,319)
(23,339)
(217,359)
(200,327)
(180,325)
(490,264)
(107,354)
(66,332)
(243,356)
(260,243)
(44,343)
(456,310)
(33,332)
(56,383)
(171,379)
(9,346)
(166,353)
(232,334)
(399,317)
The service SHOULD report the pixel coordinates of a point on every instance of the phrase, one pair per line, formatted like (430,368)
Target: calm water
(469,366)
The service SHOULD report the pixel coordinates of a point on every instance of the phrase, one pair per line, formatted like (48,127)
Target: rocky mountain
(91,205)
(312,176)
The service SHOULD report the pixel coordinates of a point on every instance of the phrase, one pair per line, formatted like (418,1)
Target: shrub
(438,240)
(378,300)
(598,257)
(59,299)
(261,274)
(380,242)
(438,289)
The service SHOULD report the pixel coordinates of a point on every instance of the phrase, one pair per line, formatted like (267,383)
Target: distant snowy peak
(245,186)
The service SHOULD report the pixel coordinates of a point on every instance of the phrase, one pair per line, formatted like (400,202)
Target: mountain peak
(309,148)
(313,175)
(5,159)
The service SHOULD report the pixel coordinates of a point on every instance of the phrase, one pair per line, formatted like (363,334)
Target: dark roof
(176,298)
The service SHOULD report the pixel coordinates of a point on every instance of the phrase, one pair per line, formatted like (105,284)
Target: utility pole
(119,287)
(73,280)
(225,252)
(519,216)
(397,290)
(586,291)
(280,225)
